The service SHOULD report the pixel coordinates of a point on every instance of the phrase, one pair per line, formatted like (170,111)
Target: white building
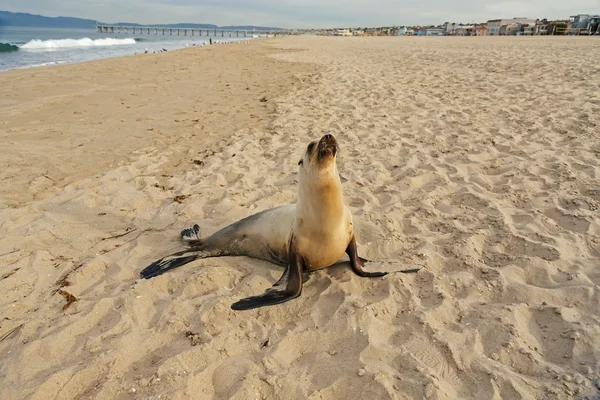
(494,25)
(343,32)
(450,28)
(465,30)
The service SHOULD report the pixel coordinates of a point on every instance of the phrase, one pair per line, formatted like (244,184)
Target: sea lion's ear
(300,162)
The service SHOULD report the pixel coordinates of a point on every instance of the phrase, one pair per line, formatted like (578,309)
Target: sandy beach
(475,159)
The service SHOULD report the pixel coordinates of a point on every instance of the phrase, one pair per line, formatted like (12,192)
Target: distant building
(497,27)
(584,24)
(434,32)
(465,30)
(541,28)
(509,29)
(528,29)
(450,28)
(428,32)
(480,30)
(342,32)
(594,26)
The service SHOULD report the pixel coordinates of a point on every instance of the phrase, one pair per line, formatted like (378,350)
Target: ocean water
(32,47)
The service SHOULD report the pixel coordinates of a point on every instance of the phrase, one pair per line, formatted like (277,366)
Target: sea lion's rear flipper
(277,294)
(357,262)
(191,234)
(169,262)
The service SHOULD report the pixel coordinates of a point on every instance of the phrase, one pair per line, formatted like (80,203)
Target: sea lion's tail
(169,262)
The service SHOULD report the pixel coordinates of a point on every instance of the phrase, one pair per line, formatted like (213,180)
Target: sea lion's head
(318,174)
(319,184)
(320,154)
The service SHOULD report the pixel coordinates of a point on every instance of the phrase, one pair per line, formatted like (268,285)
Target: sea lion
(312,234)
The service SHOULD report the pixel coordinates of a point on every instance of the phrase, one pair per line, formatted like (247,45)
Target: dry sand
(477,159)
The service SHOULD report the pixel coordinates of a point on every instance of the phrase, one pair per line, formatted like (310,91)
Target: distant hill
(30,20)
(24,19)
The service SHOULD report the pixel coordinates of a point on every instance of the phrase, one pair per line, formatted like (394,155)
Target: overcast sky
(303,13)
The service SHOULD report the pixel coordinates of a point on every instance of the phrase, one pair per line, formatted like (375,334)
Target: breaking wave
(74,43)
(4,47)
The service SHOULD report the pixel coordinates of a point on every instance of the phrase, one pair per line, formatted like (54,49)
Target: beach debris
(263,99)
(11,332)
(62,282)
(128,230)
(193,337)
(198,162)
(101,214)
(68,297)
(179,199)
(265,343)
(9,274)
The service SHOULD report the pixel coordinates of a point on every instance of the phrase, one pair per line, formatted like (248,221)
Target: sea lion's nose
(328,136)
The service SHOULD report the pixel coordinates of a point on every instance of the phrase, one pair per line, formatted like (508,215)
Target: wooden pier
(144,30)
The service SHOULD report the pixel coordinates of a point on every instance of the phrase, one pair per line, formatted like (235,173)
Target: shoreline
(73,46)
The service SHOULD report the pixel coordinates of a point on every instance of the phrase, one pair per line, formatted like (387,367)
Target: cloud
(304,13)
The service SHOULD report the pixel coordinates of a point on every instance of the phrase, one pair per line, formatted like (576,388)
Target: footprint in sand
(569,222)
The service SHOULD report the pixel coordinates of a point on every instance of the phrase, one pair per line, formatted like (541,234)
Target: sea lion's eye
(300,162)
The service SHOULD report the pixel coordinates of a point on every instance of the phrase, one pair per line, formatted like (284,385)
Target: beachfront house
(405,31)
(419,31)
(509,29)
(450,28)
(528,29)
(434,32)
(594,26)
(493,27)
(342,32)
(499,27)
(428,32)
(465,30)
(584,24)
(541,28)
(480,30)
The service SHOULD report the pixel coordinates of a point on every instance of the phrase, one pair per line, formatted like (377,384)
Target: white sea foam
(43,64)
(74,43)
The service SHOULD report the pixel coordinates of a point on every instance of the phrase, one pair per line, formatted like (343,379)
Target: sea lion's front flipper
(357,262)
(291,278)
